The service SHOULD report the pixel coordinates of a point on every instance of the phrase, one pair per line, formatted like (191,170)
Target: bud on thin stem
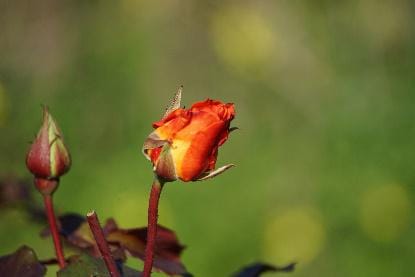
(48,159)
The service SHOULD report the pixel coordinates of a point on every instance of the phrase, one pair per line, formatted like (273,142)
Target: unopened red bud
(48,157)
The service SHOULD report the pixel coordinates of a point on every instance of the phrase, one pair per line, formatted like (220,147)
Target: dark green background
(324,93)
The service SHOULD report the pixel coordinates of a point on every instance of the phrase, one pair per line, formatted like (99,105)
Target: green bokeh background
(325,100)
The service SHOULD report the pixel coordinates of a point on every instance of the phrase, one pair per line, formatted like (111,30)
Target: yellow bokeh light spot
(384,212)
(242,38)
(297,235)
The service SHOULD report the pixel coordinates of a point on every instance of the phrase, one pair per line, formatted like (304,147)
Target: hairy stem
(47,198)
(152,225)
(103,247)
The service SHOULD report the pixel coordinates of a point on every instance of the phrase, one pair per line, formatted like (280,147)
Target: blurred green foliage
(324,92)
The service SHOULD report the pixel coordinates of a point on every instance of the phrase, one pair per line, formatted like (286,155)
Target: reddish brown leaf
(23,262)
(76,233)
(167,244)
(167,250)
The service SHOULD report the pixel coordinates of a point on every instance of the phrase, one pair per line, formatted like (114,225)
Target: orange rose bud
(48,157)
(184,144)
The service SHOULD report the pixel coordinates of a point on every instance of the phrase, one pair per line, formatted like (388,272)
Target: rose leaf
(23,262)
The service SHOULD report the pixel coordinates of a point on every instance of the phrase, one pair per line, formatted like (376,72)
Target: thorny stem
(47,198)
(103,247)
(152,225)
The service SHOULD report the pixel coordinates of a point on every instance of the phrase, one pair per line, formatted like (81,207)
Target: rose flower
(184,144)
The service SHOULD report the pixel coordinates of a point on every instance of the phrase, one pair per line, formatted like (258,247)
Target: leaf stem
(152,225)
(103,247)
(47,198)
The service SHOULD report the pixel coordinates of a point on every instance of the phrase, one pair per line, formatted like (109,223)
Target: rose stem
(152,225)
(103,247)
(47,198)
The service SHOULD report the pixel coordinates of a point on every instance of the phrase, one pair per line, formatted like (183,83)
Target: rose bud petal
(184,144)
(48,157)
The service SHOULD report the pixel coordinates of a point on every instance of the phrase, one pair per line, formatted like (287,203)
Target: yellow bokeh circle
(242,38)
(296,235)
(385,212)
